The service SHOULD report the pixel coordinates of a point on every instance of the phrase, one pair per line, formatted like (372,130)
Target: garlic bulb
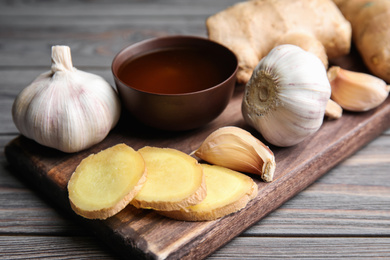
(65,108)
(286,96)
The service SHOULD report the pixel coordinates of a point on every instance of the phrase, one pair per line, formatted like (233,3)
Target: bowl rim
(189,37)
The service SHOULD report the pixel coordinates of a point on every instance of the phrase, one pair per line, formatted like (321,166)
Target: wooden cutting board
(145,234)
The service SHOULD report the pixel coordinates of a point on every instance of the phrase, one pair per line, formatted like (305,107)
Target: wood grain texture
(343,214)
(104,28)
(146,234)
(307,247)
(43,247)
(306,218)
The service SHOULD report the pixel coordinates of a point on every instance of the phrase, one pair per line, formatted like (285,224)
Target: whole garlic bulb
(286,97)
(65,108)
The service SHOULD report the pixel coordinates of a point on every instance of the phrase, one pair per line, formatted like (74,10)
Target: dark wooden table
(344,214)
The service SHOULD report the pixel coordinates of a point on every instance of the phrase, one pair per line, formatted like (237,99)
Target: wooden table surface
(344,214)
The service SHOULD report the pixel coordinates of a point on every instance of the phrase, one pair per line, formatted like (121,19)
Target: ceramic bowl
(175,111)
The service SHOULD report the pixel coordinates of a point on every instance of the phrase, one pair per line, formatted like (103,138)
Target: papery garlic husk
(286,97)
(357,91)
(65,108)
(237,149)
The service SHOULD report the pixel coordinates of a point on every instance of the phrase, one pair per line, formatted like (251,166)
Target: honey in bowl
(175,70)
(174,83)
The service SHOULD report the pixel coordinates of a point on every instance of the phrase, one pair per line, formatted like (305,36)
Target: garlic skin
(357,91)
(237,149)
(286,96)
(65,108)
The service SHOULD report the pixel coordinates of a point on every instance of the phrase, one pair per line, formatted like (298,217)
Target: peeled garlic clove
(236,149)
(356,91)
(286,97)
(65,108)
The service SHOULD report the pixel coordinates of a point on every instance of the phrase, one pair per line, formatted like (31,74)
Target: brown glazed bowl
(176,112)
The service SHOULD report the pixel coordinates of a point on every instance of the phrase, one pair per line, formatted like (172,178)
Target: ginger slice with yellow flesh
(104,183)
(175,180)
(228,191)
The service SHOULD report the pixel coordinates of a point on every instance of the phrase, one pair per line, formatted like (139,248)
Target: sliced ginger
(228,191)
(104,183)
(175,180)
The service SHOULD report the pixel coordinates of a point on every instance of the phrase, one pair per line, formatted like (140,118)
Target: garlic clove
(286,97)
(236,149)
(65,108)
(356,91)
(333,110)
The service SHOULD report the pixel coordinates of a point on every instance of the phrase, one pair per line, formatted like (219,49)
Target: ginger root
(105,183)
(228,191)
(175,180)
(370,20)
(252,28)
(163,179)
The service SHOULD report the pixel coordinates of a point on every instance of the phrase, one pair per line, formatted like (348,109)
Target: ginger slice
(104,183)
(175,180)
(228,191)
